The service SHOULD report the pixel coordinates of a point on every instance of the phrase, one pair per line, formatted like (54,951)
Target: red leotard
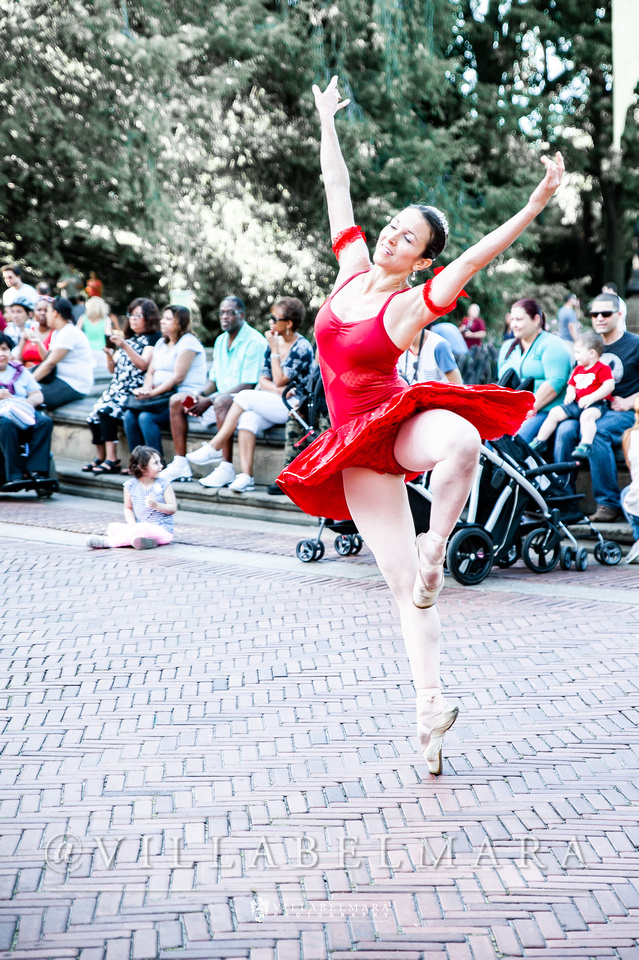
(368,401)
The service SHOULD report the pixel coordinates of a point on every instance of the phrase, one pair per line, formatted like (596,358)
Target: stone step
(191,496)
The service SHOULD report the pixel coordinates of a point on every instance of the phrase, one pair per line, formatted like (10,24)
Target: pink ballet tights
(122,534)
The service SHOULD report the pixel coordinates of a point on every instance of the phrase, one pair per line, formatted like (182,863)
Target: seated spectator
(12,274)
(588,386)
(96,323)
(453,337)
(238,357)
(33,344)
(473,328)
(66,373)
(622,356)
(630,494)
(611,287)
(429,357)
(17,383)
(149,505)
(538,354)
(128,358)
(20,314)
(288,357)
(178,363)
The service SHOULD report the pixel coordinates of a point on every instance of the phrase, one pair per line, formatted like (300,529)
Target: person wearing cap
(622,356)
(18,316)
(34,341)
(12,274)
(567,321)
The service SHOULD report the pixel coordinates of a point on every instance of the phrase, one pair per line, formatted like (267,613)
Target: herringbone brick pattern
(216,762)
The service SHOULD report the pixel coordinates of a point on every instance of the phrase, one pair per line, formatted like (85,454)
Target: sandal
(108,466)
(90,467)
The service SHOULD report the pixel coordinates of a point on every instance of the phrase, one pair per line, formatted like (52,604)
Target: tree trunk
(614,235)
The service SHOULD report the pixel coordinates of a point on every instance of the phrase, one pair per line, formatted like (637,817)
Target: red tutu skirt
(314,479)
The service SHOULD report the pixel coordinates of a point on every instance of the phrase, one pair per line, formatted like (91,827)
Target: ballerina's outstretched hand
(554,172)
(329,102)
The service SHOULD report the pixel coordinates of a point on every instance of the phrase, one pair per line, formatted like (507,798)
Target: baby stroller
(348,540)
(518,507)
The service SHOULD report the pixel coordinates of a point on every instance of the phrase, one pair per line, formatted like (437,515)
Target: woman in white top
(178,363)
(630,494)
(66,373)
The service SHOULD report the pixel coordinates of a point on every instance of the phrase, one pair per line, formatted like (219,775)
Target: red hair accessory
(344,237)
(439,311)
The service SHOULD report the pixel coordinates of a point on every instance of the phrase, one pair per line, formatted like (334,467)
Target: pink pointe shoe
(425,596)
(434,717)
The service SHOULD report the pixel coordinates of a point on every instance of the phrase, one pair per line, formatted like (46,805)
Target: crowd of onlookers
(160,381)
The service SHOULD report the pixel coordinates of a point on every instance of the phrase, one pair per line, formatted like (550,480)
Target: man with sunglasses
(622,356)
(238,355)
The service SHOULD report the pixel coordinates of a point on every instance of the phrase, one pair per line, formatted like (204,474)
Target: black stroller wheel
(470,555)
(319,550)
(306,550)
(540,550)
(343,544)
(581,560)
(566,558)
(608,553)
(358,543)
(511,557)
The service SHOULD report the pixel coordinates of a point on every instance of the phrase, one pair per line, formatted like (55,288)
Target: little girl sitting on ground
(588,386)
(149,505)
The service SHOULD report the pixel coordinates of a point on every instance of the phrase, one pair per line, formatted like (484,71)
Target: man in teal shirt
(238,355)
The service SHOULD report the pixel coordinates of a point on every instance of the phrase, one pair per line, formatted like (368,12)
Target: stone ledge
(191,496)
(72,441)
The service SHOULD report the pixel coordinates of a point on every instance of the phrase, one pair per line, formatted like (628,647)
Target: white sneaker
(633,554)
(223,474)
(242,484)
(206,454)
(178,469)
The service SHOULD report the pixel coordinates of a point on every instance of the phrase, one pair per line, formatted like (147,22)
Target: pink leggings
(122,534)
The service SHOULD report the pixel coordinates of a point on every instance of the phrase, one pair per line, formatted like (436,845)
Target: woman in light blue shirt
(538,354)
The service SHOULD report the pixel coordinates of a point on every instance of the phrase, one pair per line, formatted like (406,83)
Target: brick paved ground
(218,761)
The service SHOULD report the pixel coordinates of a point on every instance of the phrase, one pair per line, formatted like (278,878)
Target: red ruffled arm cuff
(439,311)
(344,237)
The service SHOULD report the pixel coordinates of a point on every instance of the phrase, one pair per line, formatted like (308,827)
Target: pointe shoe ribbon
(423,596)
(434,717)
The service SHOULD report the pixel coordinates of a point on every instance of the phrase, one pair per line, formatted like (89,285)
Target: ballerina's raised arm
(425,302)
(353,256)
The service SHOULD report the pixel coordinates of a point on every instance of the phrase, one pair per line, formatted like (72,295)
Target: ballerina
(383,431)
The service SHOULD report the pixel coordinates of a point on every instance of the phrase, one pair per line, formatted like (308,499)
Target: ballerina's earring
(413,277)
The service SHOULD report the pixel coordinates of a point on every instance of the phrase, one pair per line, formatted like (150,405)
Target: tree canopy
(167,143)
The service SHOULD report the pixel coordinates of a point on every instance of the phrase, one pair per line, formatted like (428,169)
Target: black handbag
(148,404)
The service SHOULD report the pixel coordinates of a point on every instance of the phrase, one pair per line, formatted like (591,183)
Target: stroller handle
(290,386)
(564,467)
(310,431)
